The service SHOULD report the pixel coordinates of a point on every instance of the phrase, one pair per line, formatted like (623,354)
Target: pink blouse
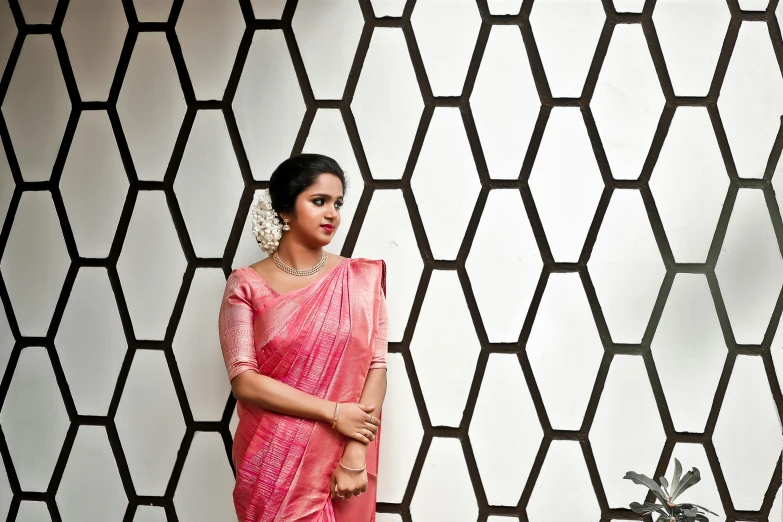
(245,296)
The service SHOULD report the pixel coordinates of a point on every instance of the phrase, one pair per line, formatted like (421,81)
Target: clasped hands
(356,422)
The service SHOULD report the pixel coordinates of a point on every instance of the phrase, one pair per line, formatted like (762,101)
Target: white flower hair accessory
(267,227)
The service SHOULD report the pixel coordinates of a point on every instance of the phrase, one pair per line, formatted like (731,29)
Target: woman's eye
(338,205)
(318,201)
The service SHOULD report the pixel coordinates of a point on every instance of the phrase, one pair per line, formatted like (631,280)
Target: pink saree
(321,339)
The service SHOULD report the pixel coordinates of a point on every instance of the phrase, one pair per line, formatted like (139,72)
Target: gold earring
(285,224)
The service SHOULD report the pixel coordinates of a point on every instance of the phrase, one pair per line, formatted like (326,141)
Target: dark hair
(295,174)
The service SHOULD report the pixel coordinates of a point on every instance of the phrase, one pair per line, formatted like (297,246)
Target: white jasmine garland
(267,227)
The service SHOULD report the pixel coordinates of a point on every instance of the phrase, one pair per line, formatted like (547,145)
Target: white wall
(577,209)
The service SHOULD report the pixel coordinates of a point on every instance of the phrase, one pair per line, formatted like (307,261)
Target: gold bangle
(355,470)
(336,413)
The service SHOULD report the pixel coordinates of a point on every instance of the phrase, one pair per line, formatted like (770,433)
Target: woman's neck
(298,256)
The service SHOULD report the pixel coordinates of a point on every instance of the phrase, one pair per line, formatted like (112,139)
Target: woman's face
(316,215)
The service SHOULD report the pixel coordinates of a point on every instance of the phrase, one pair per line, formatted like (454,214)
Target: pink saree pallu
(321,339)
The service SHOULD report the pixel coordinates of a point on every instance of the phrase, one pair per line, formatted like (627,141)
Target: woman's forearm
(374,392)
(273,395)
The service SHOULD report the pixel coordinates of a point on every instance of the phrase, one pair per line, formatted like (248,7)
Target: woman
(303,335)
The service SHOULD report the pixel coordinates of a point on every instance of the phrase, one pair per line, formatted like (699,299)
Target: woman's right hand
(356,422)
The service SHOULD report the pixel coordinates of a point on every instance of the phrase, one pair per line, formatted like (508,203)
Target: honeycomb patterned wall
(576,201)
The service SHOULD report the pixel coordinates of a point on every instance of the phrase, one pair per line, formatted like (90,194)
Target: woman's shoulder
(237,280)
(367,263)
(247,282)
(239,274)
(372,270)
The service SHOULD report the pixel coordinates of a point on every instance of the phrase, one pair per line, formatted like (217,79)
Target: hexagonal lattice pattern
(750,269)
(91,487)
(149,423)
(94,185)
(150,106)
(209,184)
(90,342)
(328,59)
(748,408)
(565,473)
(444,469)
(35,263)
(386,117)
(267,104)
(574,199)
(565,351)
(627,103)
(34,420)
(504,102)
(689,351)
(199,365)
(94,32)
(445,177)
(446,35)
(504,462)
(691,35)
(566,182)
(626,433)
(506,243)
(567,38)
(689,184)
(626,267)
(445,335)
(751,124)
(144,276)
(204,493)
(209,34)
(36,108)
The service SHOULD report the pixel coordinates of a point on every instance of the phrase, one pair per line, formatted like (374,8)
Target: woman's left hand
(346,484)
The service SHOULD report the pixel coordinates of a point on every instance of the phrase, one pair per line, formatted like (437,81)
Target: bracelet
(355,470)
(336,413)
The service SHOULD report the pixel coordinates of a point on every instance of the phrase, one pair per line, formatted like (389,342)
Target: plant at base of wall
(669,511)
